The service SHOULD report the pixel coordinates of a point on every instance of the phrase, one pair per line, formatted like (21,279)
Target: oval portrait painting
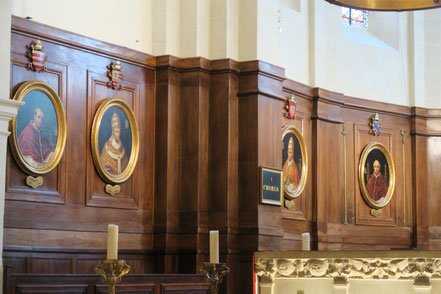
(115,140)
(377,175)
(294,162)
(39,130)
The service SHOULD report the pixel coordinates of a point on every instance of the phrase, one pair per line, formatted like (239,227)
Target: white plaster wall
(125,23)
(354,62)
(432,53)
(282,37)
(396,60)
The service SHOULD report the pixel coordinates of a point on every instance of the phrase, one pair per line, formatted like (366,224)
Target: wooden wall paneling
(298,219)
(98,91)
(248,178)
(419,167)
(327,166)
(66,283)
(70,261)
(74,225)
(224,158)
(434,190)
(425,132)
(54,187)
(193,196)
(167,164)
(388,216)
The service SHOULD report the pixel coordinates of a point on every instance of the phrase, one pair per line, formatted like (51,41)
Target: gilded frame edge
(290,129)
(102,108)
(275,170)
(20,94)
(361,169)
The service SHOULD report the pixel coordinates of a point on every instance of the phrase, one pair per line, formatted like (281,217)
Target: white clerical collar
(290,162)
(377,175)
(115,144)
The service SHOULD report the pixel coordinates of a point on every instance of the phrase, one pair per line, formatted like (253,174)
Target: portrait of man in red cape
(34,145)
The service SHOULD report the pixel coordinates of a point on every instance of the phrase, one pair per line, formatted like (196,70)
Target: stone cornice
(420,268)
(8,110)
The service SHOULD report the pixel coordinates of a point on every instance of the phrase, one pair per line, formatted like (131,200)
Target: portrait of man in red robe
(33,143)
(377,185)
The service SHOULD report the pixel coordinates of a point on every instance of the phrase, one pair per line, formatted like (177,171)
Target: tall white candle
(112,242)
(214,246)
(305,242)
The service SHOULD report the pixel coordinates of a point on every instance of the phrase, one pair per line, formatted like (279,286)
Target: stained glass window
(355,17)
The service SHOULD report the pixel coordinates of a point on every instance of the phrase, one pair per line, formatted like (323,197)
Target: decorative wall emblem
(376,175)
(291,108)
(38,57)
(39,129)
(116,76)
(375,125)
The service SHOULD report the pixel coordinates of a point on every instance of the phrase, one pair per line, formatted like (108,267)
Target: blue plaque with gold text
(271,186)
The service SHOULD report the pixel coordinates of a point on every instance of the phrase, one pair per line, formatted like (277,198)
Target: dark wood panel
(92,284)
(205,128)
(77,72)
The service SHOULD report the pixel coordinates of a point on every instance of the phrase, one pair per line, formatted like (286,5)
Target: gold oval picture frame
(114,140)
(39,129)
(376,175)
(294,162)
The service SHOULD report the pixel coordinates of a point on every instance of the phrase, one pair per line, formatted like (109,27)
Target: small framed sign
(271,185)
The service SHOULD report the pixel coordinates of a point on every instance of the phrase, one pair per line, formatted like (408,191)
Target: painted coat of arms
(291,108)
(38,57)
(375,125)
(116,76)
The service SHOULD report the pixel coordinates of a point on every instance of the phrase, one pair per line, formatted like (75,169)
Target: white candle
(305,242)
(112,242)
(214,246)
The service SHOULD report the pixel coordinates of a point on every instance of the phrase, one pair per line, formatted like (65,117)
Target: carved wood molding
(421,270)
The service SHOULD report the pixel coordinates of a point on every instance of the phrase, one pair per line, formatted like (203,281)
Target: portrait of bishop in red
(376,185)
(34,145)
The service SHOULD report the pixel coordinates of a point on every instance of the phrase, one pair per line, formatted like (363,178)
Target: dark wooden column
(168,138)
(193,192)
(327,163)
(261,103)
(223,159)
(426,167)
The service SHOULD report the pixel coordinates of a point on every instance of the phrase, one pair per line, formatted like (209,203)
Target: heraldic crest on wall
(38,131)
(376,175)
(375,125)
(291,108)
(116,76)
(294,162)
(38,57)
(115,142)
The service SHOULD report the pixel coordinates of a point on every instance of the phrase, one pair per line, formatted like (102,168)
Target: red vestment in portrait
(291,173)
(32,143)
(376,187)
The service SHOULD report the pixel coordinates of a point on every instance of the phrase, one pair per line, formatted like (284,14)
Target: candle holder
(112,271)
(215,273)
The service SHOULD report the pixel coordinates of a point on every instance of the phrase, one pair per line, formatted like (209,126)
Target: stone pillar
(265,288)
(340,289)
(8,108)
(423,289)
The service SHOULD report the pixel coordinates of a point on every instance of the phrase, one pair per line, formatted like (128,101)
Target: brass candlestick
(215,273)
(112,271)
